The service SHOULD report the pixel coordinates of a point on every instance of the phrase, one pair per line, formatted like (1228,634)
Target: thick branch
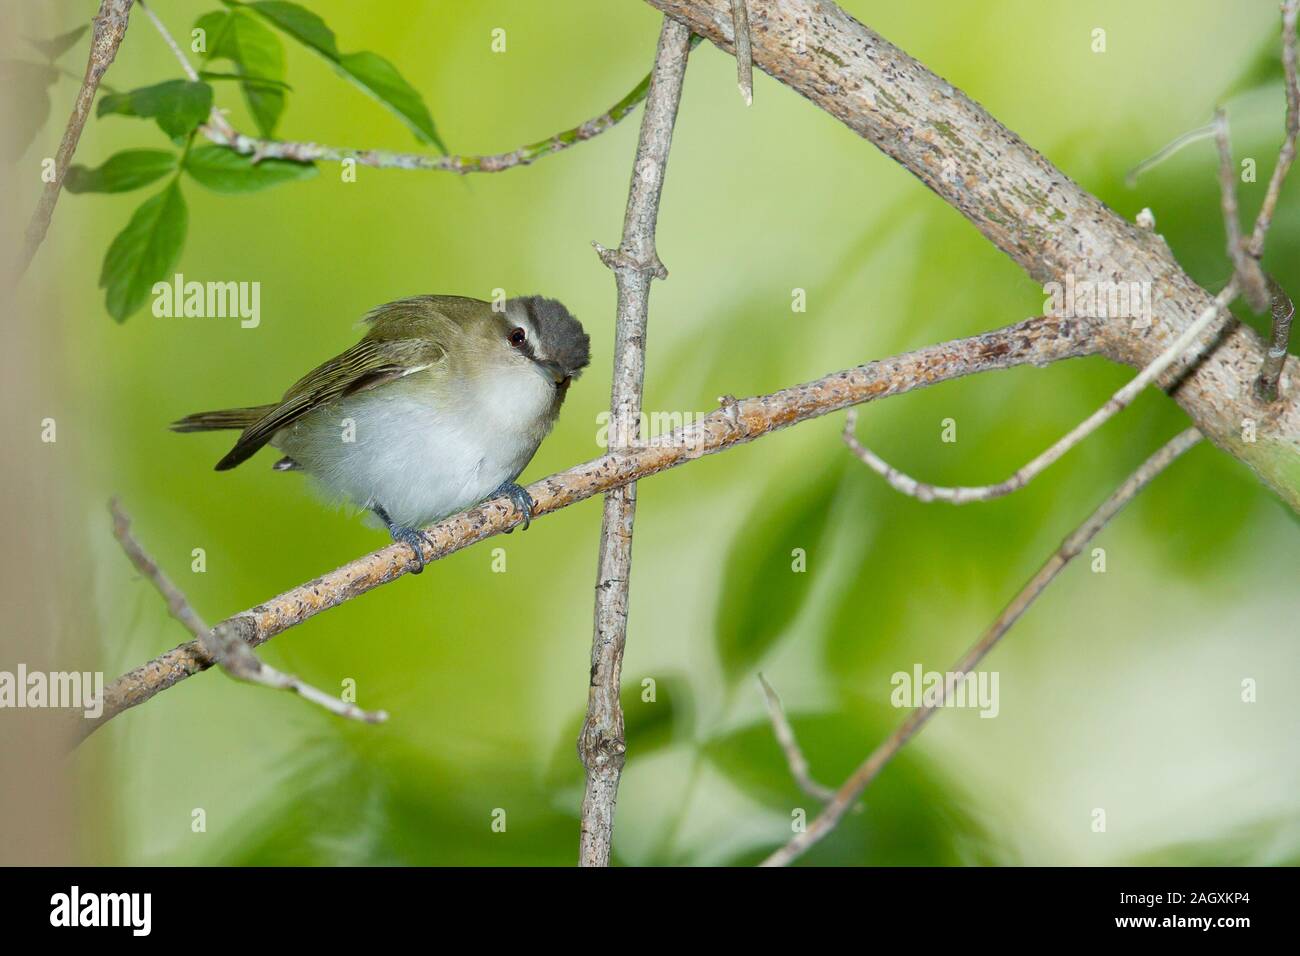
(1024,205)
(109,28)
(1036,341)
(1070,548)
(600,744)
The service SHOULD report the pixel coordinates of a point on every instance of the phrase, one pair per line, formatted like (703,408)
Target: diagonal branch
(1070,548)
(1049,225)
(109,29)
(219,130)
(1116,404)
(635,264)
(1036,341)
(790,746)
(226,644)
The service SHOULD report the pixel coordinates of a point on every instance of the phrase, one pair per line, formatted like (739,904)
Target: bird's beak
(556,372)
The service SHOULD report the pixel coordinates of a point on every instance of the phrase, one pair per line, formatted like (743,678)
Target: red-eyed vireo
(440,406)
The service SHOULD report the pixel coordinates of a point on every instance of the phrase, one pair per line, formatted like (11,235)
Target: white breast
(394,447)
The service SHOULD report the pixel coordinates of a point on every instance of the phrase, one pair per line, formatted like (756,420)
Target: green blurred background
(1119,691)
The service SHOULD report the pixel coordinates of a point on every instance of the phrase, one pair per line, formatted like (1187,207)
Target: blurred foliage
(1119,690)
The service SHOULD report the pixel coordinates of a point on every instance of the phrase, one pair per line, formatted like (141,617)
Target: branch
(1290,9)
(1027,207)
(219,130)
(790,746)
(744,51)
(866,772)
(1275,360)
(1244,266)
(1117,403)
(1036,341)
(226,645)
(635,264)
(109,28)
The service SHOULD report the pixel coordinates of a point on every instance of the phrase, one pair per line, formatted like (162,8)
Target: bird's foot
(520,498)
(412,537)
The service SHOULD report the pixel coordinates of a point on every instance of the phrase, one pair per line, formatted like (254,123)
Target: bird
(440,406)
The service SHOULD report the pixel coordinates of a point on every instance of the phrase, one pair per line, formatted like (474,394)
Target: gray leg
(413,537)
(521,499)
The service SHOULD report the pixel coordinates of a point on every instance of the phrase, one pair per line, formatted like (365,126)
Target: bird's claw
(415,539)
(520,498)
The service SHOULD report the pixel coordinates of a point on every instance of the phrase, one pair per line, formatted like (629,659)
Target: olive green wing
(382,356)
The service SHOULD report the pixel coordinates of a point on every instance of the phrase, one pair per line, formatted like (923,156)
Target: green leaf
(369,71)
(178,106)
(761,590)
(258,81)
(144,252)
(225,171)
(24,103)
(123,172)
(1264,67)
(59,45)
(258,56)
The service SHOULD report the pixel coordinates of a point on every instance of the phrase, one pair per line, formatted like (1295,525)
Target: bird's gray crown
(560,337)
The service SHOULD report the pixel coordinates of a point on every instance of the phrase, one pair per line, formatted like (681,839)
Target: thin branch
(744,50)
(1165,152)
(635,264)
(790,746)
(1275,360)
(1245,267)
(226,644)
(1117,403)
(219,130)
(1036,341)
(109,28)
(1286,156)
(1071,547)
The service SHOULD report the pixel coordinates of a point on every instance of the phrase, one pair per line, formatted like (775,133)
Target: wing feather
(379,358)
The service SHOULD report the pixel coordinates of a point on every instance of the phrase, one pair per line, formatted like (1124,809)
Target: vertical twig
(1070,548)
(109,28)
(1270,373)
(744,50)
(1290,10)
(635,263)
(1245,267)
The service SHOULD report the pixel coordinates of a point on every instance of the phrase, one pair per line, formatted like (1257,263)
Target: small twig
(1245,267)
(1168,150)
(219,130)
(190,72)
(1070,548)
(227,643)
(601,746)
(1286,155)
(1117,403)
(790,746)
(1275,360)
(109,28)
(744,50)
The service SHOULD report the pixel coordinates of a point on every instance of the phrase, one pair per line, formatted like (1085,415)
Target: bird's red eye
(517,337)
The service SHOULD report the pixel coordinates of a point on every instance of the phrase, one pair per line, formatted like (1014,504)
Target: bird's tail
(237,418)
